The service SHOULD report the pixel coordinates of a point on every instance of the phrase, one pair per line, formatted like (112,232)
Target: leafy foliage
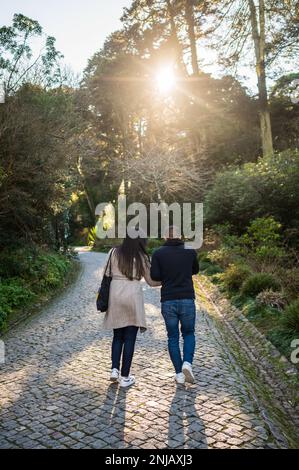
(268,187)
(27,273)
(36,165)
(17,64)
(290,318)
(234,276)
(258,282)
(13,294)
(271,298)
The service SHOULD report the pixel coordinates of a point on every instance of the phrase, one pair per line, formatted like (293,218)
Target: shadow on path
(186,428)
(112,416)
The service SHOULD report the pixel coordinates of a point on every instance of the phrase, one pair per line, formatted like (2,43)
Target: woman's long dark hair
(130,249)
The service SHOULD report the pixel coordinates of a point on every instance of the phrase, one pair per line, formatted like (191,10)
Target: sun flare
(165,78)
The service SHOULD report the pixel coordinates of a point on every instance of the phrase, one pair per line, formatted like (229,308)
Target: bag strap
(109,263)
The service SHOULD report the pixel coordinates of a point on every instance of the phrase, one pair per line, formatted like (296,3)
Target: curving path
(55,390)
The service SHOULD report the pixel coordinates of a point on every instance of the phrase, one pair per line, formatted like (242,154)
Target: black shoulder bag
(103,292)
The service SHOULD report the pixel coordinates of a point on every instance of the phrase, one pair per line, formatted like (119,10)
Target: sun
(165,79)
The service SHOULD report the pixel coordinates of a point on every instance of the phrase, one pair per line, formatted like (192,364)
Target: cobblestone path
(55,390)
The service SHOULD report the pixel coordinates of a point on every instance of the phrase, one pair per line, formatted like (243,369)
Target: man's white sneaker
(126,381)
(180,378)
(187,371)
(114,375)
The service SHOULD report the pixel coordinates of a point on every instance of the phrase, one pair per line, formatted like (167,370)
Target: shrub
(270,186)
(51,269)
(14,294)
(289,279)
(282,339)
(270,254)
(203,265)
(26,273)
(223,256)
(212,269)
(209,268)
(258,282)
(290,318)
(17,262)
(234,276)
(203,256)
(269,298)
(261,244)
(265,318)
(91,236)
(153,244)
(32,264)
(263,231)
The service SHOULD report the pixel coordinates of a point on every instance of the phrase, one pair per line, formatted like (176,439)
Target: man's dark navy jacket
(174,265)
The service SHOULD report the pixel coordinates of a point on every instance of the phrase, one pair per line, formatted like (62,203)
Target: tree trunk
(175,40)
(86,192)
(189,14)
(258,36)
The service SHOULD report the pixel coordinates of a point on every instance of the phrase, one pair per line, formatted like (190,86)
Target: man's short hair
(172,232)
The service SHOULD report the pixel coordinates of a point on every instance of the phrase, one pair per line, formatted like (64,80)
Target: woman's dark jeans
(123,344)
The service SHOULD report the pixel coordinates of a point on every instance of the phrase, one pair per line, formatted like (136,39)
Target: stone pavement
(55,390)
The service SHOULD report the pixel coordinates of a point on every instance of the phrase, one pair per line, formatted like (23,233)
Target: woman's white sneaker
(188,373)
(126,381)
(180,378)
(114,375)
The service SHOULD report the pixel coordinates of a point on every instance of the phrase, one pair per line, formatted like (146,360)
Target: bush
(212,269)
(91,236)
(281,339)
(32,264)
(270,186)
(258,282)
(290,318)
(269,298)
(223,256)
(52,269)
(153,244)
(209,268)
(25,274)
(17,262)
(203,256)
(234,276)
(14,294)
(289,279)
(263,231)
(265,318)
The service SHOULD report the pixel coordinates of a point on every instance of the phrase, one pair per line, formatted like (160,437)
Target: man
(173,264)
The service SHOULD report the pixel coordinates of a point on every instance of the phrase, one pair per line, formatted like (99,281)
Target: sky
(79,26)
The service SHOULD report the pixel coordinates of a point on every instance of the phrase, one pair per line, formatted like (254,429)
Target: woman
(125,315)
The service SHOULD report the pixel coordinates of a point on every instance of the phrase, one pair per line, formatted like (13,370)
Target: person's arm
(155,271)
(195,266)
(147,275)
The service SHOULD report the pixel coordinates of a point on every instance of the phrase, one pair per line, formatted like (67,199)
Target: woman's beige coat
(126,303)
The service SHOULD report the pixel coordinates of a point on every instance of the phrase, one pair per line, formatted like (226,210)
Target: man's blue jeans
(180,313)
